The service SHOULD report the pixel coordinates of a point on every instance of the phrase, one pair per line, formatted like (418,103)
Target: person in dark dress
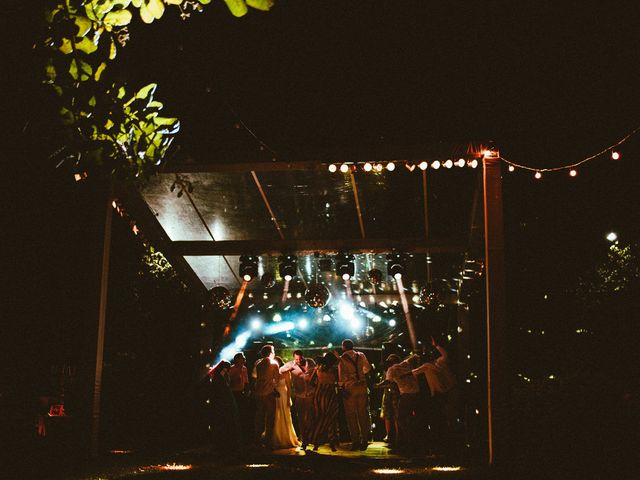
(326,405)
(226,421)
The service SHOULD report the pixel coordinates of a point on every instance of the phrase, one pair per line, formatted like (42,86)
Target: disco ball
(268,280)
(430,296)
(219,298)
(317,295)
(375,276)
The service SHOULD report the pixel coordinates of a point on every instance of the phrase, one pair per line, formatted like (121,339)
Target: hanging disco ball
(268,280)
(375,276)
(219,298)
(430,296)
(317,295)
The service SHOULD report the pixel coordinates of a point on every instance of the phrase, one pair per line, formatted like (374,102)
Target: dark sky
(549,82)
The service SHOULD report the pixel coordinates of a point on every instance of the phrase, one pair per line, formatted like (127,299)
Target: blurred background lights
(392,323)
(303,324)
(277,317)
(256,324)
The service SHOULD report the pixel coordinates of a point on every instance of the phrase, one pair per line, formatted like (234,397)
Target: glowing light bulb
(435,165)
(573,172)
(392,323)
(615,155)
(344,168)
(368,167)
(473,163)
(288,277)
(461,162)
(512,168)
(612,236)
(397,276)
(423,165)
(538,175)
(378,167)
(345,276)
(391,166)
(332,168)
(448,164)
(247,278)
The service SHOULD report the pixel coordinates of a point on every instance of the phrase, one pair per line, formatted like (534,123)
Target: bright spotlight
(355,322)
(303,324)
(288,267)
(346,311)
(326,318)
(248,267)
(345,266)
(392,323)
(256,324)
(612,236)
(277,317)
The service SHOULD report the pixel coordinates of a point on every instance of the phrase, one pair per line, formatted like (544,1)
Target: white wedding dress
(284,436)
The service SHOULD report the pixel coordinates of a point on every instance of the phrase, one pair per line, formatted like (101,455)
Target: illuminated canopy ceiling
(204,216)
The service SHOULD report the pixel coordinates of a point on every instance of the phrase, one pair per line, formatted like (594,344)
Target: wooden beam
(359,245)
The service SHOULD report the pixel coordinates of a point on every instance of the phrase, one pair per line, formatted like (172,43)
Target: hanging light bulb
(344,168)
(423,165)
(615,155)
(379,167)
(410,166)
(448,164)
(391,166)
(538,175)
(472,163)
(435,165)
(512,168)
(332,168)
(573,172)
(368,167)
(461,162)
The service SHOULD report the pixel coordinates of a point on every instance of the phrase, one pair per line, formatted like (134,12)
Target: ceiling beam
(302,247)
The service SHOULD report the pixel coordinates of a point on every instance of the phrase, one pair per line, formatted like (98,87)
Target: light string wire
(250,132)
(573,165)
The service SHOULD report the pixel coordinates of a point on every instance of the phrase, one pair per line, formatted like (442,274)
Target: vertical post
(497,341)
(102,318)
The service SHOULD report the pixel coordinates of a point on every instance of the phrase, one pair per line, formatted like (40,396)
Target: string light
(378,167)
(333,168)
(344,168)
(435,165)
(473,163)
(423,165)
(461,162)
(615,155)
(368,167)
(538,175)
(448,164)
(391,166)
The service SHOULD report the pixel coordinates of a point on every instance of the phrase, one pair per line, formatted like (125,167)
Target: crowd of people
(296,404)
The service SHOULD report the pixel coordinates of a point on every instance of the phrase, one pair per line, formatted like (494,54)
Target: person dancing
(325,404)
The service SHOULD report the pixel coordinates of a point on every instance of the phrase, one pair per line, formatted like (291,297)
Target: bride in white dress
(284,436)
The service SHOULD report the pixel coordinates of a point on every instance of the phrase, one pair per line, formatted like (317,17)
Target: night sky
(549,82)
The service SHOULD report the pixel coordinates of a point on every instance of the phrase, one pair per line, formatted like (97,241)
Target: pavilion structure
(435,211)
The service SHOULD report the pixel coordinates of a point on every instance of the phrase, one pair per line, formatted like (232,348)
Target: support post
(497,338)
(102,319)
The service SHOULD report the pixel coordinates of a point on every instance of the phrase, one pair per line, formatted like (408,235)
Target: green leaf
(86,45)
(109,124)
(66,116)
(173,2)
(205,2)
(66,47)
(238,8)
(136,3)
(151,10)
(264,5)
(50,73)
(121,92)
(92,101)
(118,18)
(113,50)
(84,25)
(99,71)
(146,91)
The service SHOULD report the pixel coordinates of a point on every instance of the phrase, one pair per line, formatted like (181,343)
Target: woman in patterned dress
(324,428)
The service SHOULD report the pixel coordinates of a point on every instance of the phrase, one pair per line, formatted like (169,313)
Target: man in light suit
(352,370)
